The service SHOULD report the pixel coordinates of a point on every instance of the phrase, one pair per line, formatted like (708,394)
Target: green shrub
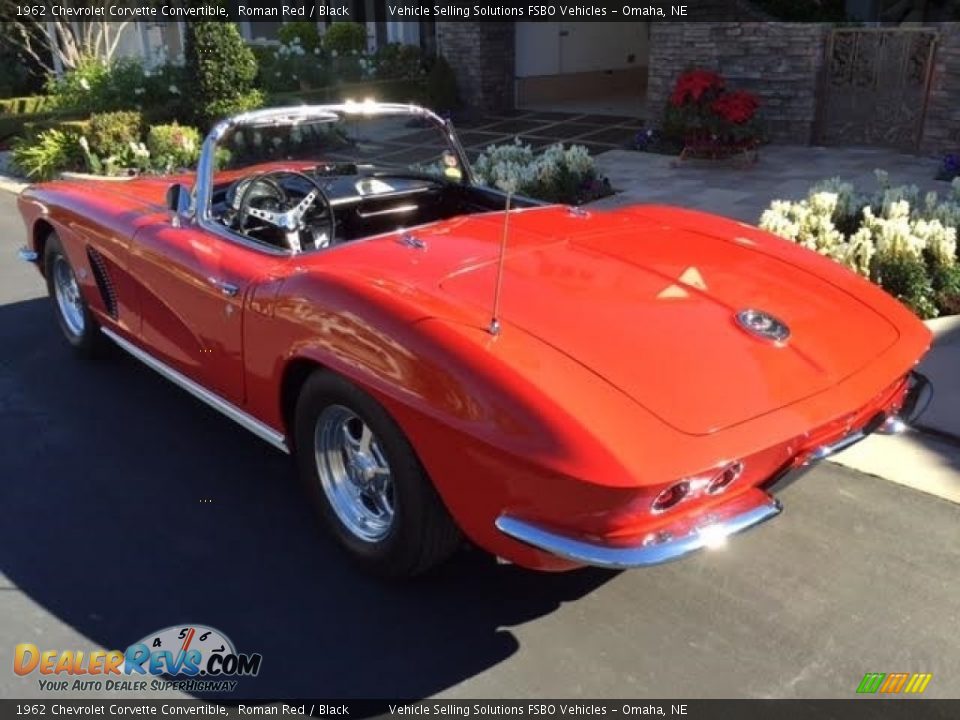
(287,68)
(442,90)
(303,34)
(168,94)
(112,133)
(345,38)
(905,277)
(173,147)
(945,279)
(221,68)
(399,61)
(98,86)
(353,68)
(219,109)
(44,156)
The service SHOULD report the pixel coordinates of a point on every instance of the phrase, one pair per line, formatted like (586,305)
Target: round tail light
(670,497)
(723,479)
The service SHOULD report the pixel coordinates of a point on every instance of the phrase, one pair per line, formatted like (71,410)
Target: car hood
(651,308)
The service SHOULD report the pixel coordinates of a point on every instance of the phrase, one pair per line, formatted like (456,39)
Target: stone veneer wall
(482,56)
(780,62)
(941,130)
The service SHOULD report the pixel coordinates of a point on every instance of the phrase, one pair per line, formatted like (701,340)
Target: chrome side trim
(262,431)
(663,547)
(27,255)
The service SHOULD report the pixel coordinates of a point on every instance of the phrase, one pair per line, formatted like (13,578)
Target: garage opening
(583,67)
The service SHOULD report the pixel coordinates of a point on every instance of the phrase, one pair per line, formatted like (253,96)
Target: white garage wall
(551,48)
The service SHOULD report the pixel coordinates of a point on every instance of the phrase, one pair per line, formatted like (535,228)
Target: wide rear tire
(366,482)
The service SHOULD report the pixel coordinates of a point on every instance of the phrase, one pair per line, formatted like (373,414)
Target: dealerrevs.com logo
(193,657)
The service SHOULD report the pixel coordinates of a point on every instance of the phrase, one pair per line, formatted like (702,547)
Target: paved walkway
(744,191)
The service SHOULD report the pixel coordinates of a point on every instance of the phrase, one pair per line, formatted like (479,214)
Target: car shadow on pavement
(127,506)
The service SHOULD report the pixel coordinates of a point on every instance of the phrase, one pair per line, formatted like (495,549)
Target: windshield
(341,142)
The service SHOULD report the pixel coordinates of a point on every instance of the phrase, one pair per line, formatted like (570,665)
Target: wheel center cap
(364,469)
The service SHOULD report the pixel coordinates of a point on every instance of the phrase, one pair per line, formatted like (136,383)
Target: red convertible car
(561,387)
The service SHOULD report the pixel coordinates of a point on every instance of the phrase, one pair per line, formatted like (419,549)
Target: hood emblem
(763,325)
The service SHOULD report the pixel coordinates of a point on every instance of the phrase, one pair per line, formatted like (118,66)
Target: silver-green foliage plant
(557,174)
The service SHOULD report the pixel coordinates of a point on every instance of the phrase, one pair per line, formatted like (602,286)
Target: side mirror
(178,201)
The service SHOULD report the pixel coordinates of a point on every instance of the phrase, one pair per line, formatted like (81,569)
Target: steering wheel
(277,210)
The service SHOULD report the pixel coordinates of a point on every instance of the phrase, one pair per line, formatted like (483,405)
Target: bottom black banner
(854,709)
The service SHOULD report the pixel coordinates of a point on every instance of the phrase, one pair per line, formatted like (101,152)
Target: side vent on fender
(104,283)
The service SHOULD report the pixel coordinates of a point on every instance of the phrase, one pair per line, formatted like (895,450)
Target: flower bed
(704,118)
(903,240)
(557,174)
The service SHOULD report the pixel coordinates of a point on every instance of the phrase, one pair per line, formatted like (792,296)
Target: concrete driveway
(126,507)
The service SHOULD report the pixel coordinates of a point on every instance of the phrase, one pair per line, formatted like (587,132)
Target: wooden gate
(875,86)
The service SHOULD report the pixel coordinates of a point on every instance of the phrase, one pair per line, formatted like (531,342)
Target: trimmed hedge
(34,127)
(29,105)
(404,90)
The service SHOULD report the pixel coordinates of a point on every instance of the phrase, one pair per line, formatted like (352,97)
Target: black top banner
(856,709)
(384,10)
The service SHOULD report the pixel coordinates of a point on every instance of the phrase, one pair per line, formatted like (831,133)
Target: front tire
(77,323)
(366,482)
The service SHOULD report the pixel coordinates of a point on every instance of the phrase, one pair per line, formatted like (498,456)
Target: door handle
(228,289)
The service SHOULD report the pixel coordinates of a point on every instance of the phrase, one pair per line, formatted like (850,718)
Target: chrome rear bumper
(717,523)
(660,546)
(916,401)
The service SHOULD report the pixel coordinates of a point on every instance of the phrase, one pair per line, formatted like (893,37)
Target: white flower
(174,89)
(84,83)
(333,53)
(139,91)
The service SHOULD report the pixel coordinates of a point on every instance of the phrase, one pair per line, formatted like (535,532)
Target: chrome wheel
(67,293)
(354,473)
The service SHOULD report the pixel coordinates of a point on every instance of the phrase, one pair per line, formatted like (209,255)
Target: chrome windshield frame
(202,193)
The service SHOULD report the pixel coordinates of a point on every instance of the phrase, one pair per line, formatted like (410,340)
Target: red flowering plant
(703,112)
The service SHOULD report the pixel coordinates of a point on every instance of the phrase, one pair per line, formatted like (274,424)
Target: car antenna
(494,328)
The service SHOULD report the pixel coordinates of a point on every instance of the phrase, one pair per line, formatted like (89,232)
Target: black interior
(362,206)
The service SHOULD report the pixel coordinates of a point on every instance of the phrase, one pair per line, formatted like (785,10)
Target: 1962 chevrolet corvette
(562,387)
